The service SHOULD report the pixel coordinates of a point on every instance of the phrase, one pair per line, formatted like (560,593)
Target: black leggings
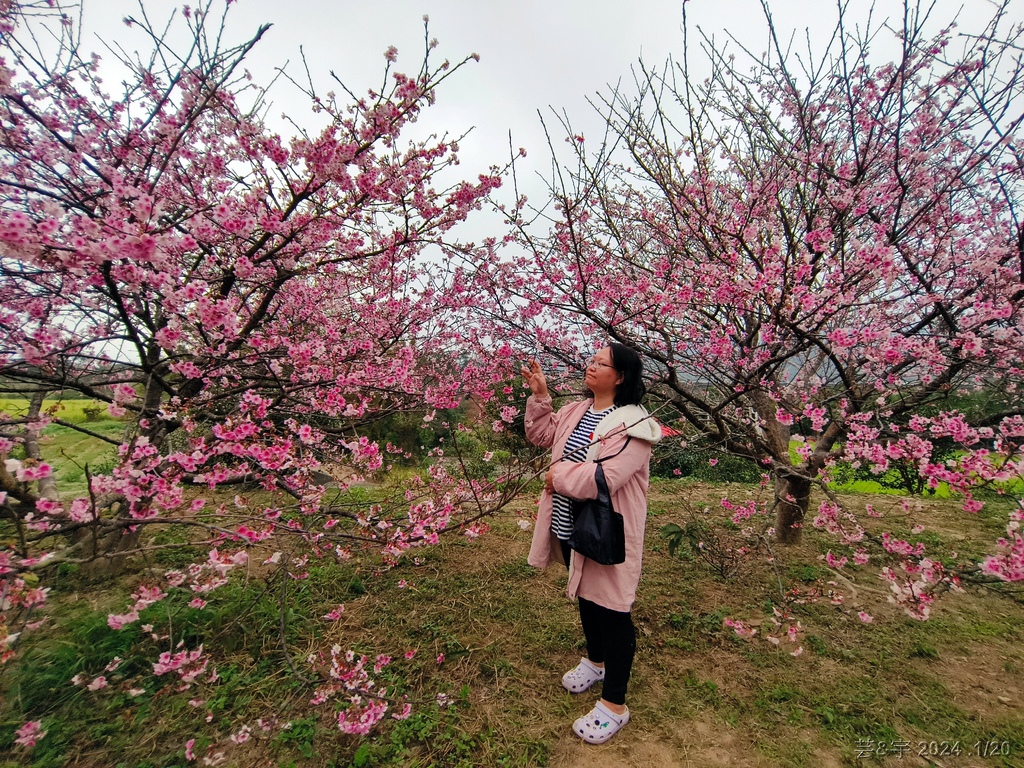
(611,638)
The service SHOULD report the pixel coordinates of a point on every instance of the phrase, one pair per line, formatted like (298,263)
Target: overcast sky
(534,54)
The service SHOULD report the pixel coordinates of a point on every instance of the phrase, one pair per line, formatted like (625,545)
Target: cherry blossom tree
(245,302)
(821,255)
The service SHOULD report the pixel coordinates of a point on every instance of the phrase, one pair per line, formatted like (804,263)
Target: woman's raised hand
(535,379)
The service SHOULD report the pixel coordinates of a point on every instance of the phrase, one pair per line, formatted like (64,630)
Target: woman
(622,434)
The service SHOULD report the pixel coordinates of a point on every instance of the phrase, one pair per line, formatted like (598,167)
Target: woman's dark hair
(626,361)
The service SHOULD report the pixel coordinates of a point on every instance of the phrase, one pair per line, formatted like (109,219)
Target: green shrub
(698,458)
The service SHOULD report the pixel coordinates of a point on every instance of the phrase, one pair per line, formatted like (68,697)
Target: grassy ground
(700,695)
(74,451)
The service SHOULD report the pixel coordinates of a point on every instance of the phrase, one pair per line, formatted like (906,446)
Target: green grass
(72,453)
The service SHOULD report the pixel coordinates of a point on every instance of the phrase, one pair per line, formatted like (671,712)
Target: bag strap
(628,438)
(602,484)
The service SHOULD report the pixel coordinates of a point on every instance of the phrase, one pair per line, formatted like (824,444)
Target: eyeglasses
(595,363)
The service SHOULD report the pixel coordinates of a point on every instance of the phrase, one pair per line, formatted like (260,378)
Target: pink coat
(628,477)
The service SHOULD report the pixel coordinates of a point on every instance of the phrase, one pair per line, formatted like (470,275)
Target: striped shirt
(576,452)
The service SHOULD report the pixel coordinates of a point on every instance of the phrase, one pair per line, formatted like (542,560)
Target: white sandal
(600,724)
(582,676)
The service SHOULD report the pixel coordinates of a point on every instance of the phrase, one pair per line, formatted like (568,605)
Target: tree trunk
(108,554)
(793,493)
(48,485)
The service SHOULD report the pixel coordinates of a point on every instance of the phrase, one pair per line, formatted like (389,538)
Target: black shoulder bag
(598,532)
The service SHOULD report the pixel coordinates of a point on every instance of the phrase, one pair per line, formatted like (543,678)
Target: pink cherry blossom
(28,734)
(335,613)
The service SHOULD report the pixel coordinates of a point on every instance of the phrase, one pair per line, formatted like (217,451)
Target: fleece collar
(639,423)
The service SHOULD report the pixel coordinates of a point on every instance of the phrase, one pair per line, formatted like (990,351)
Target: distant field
(1010,488)
(75,411)
(868,486)
(68,450)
